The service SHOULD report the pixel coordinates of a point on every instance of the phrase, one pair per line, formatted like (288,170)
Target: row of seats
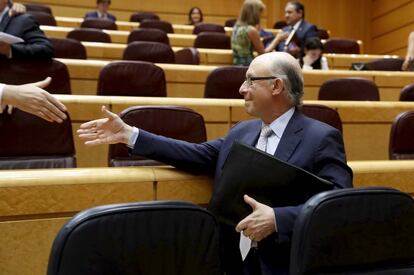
(118,78)
(157,237)
(53,146)
(208,40)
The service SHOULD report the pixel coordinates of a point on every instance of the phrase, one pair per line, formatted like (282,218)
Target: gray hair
(292,79)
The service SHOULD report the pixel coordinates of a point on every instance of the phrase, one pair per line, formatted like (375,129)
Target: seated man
(272,92)
(35,47)
(102,11)
(294,16)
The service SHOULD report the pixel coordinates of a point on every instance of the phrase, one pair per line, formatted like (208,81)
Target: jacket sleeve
(330,164)
(191,157)
(36,46)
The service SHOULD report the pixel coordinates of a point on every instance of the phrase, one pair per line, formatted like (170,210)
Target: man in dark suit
(294,16)
(272,92)
(102,11)
(35,46)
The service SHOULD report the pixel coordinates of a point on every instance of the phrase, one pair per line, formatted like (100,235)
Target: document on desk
(276,183)
(10,39)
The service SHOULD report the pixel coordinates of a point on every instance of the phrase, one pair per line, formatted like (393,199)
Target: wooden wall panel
(391,23)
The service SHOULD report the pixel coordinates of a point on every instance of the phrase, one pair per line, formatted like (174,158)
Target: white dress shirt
(1,96)
(4,12)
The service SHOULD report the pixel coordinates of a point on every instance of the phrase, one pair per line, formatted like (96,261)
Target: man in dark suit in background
(295,18)
(272,92)
(35,46)
(102,11)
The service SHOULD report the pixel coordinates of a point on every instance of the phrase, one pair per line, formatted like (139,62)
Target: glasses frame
(249,80)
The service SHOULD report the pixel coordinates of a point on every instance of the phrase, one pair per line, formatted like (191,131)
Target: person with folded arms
(31,98)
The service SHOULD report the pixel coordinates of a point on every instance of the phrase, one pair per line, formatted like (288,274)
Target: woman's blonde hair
(250,12)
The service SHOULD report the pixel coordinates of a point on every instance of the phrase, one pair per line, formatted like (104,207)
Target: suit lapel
(4,22)
(252,135)
(291,137)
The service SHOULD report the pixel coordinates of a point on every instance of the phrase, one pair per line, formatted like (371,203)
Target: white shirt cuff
(133,138)
(1,97)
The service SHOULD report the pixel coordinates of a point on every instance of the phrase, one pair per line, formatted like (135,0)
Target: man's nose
(243,89)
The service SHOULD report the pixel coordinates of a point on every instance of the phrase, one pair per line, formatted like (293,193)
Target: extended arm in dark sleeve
(330,164)
(191,157)
(36,46)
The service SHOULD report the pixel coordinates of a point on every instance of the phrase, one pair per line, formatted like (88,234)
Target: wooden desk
(114,51)
(189,80)
(121,36)
(74,22)
(366,125)
(36,203)
(178,40)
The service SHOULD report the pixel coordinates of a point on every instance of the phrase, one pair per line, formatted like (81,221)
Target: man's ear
(278,86)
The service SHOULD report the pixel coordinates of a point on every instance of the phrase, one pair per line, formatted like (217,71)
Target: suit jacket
(36,46)
(94,14)
(307,143)
(304,31)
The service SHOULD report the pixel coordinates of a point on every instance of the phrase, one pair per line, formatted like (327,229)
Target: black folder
(265,178)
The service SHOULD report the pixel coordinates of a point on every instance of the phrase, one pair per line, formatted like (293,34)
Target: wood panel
(366,124)
(178,40)
(114,51)
(74,22)
(381,7)
(391,23)
(27,238)
(189,80)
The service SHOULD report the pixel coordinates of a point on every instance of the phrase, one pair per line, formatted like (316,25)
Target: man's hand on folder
(260,223)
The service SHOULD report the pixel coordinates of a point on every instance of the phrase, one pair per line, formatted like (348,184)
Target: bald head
(284,66)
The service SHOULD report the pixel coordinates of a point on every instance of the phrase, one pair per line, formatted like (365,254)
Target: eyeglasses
(249,80)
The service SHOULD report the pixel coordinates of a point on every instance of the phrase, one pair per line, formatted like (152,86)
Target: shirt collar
(279,124)
(102,15)
(296,26)
(4,12)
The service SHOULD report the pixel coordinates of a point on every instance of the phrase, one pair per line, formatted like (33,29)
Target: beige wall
(383,25)
(391,22)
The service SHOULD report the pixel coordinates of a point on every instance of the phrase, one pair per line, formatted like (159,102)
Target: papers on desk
(10,39)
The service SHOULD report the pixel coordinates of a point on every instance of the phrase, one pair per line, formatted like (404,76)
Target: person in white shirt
(313,58)
(31,98)
(408,64)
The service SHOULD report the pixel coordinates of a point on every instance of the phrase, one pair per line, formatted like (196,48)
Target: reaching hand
(33,99)
(108,130)
(17,9)
(260,223)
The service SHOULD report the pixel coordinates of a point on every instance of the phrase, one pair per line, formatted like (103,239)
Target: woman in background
(312,58)
(195,16)
(246,37)
(408,64)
